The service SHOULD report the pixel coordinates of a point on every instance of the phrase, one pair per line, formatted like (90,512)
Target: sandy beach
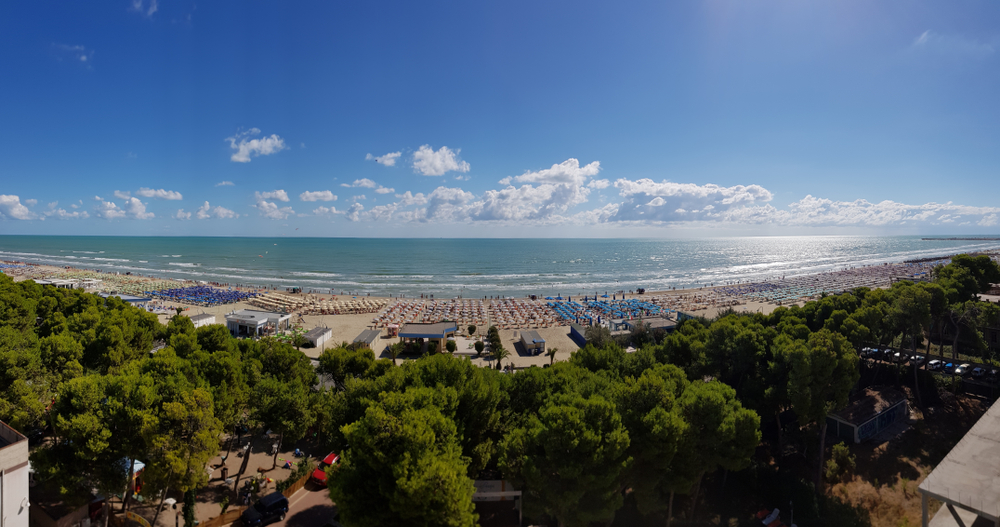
(348,315)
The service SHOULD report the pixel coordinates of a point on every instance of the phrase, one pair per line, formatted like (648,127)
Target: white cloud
(136,209)
(436,163)
(409,198)
(462,178)
(62,214)
(955,45)
(358,197)
(206,211)
(109,211)
(388,160)
(599,184)
(245,148)
(319,195)
(568,171)
(181,215)
(225,184)
(31,202)
(123,194)
(144,8)
(666,201)
(159,194)
(354,213)
(11,207)
(271,210)
(367,183)
(326,211)
(279,195)
(988,221)
(546,195)
(79,55)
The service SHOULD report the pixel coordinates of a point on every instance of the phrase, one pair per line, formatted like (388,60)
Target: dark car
(949,368)
(269,509)
(319,475)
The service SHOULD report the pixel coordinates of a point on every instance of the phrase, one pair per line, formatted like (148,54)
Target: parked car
(948,367)
(963,369)
(869,353)
(319,475)
(900,357)
(269,509)
(978,372)
(992,374)
(934,365)
(918,359)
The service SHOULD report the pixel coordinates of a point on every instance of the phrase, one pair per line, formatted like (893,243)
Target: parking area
(984,374)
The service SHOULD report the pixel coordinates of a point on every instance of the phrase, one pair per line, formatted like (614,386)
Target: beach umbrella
(604,296)
(549,298)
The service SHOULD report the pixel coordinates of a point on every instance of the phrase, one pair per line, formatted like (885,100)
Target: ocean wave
(307,273)
(112,260)
(185,264)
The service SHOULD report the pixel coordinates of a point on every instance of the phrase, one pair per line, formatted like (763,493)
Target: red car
(319,475)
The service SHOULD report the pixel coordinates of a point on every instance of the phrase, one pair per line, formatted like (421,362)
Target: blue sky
(163,117)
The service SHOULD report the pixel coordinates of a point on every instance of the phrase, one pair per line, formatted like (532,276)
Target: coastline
(707,301)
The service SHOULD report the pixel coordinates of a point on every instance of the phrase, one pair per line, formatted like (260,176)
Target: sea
(476,267)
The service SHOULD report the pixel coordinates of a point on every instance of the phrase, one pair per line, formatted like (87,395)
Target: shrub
(432,347)
(480,346)
(451,346)
(841,462)
(472,329)
(302,468)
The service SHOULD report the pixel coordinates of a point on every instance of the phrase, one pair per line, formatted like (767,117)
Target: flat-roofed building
(653,323)
(368,338)
(254,323)
(14,502)
(137,301)
(204,319)
(866,416)
(533,342)
(318,336)
(437,332)
(967,480)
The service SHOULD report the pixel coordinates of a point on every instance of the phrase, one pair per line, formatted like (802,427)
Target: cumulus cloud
(12,208)
(988,221)
(354,213)
(545,195)
(109,211)
(159,194)
(319,195)
(666,201)
(206,211)
(244,148)
(271,210)
(123,194)
(225,184)
(181,215)
(429,162)
(136,209)
(279,195)
(599,184)
(326,211)
(31,202)
(385,190)
(367,183)
(62,214)
(388,160)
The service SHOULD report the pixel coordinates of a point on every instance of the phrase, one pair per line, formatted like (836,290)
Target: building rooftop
(870,403)
(437,330)
(125,298)
(969,476)
(317,332)
(9,436)
(252,315)
(531,336)
(203,316)
(368,336)
(657,323)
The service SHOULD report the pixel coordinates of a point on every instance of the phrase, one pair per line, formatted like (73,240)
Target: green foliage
(472,329)
(302,469)
(451,346)
(342,363)
(569,459)
(404,466)
(841,462)
(480,346)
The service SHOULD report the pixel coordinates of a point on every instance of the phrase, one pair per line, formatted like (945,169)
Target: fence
(233,515)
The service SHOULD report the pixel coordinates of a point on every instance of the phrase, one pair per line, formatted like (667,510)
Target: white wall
(14,484)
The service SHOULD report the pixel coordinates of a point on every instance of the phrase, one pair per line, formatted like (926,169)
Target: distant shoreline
(961,239)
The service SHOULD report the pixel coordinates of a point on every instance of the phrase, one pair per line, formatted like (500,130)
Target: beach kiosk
(136,301)
(866,416)
(368,338)
(253,323)
(317,336)
(203,319)
(533,342)
(439,331)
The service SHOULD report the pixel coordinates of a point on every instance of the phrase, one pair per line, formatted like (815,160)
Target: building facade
(14,502)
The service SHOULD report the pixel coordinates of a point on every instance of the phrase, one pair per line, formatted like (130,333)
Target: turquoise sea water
(475,267)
